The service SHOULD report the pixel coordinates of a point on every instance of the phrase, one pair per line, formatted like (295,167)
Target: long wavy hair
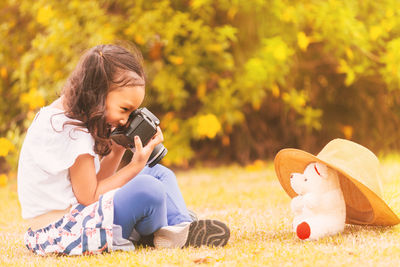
(93,78)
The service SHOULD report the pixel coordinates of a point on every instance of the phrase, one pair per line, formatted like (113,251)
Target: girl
(68,186)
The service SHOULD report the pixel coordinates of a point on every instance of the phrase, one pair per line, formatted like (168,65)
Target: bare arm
(110,163)
(86,185)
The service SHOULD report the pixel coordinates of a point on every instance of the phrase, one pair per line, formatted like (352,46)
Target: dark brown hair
(87,87)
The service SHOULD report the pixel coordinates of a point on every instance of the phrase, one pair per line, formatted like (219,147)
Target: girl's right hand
(142,154)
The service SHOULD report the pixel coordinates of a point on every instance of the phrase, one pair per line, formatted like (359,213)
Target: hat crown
(355,160)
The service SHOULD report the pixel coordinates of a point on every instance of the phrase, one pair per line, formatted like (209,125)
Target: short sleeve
(55,145)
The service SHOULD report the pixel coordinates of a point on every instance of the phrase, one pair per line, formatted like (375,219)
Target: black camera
(144,124)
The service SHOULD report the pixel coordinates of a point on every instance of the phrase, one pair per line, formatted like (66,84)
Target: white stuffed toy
(319,209)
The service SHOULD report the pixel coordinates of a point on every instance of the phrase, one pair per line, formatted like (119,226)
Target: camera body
(144,124)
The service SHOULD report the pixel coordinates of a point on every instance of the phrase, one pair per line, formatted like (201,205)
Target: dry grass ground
(251,201)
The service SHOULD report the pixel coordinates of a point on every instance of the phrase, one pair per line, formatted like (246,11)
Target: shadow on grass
(366,229)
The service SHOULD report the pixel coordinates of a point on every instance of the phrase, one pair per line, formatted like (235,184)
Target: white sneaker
(173,236)
(211,233)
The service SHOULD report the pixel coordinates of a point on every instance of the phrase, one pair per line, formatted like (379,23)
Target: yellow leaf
(303,41)
(176,60)
(232,11)
(139,39)
(350,78)
(68,24)
(214,48)
(3,72)
(256,165)
(3,180)
(256,104)
(388,25)
(58,75)
(285,96)
(281,52)
(5,147)
(275,90)
(347,131)
(201,90)
(168,117)
(174,126)
(36,64)
(343,67)
(226,141)
(166,161)
(394,70)
(30,115)
(389,13)
(208,126)
(301,101)
(44,15)
(288,14)
(228,128)
(33,98)
(349,53)
(375,32)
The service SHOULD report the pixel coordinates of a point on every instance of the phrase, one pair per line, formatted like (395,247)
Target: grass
(252,202)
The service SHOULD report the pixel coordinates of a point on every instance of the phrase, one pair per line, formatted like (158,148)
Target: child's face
(121,101)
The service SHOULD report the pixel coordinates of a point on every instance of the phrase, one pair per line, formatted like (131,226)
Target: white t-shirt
(46,154)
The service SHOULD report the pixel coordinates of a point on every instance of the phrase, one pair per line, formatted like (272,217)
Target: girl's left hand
(156,139)
(142,154)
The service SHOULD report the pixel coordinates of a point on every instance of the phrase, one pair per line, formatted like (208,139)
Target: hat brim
(363,206)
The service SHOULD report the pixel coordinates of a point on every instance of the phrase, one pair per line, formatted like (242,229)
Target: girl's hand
(142,154)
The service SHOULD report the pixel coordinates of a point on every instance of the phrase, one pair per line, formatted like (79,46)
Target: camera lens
(158,153)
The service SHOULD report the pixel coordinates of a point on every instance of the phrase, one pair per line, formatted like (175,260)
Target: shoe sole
(211,233)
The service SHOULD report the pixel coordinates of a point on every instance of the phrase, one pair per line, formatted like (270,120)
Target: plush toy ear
(321,169)
(316,170)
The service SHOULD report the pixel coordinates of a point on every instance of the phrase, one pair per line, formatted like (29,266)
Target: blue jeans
(149,201)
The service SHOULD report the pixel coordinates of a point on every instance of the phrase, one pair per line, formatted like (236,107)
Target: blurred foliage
(231,80)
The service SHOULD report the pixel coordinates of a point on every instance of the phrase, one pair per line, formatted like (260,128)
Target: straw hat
(359,175)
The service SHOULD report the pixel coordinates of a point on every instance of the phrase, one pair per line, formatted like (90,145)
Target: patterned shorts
(84,230)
